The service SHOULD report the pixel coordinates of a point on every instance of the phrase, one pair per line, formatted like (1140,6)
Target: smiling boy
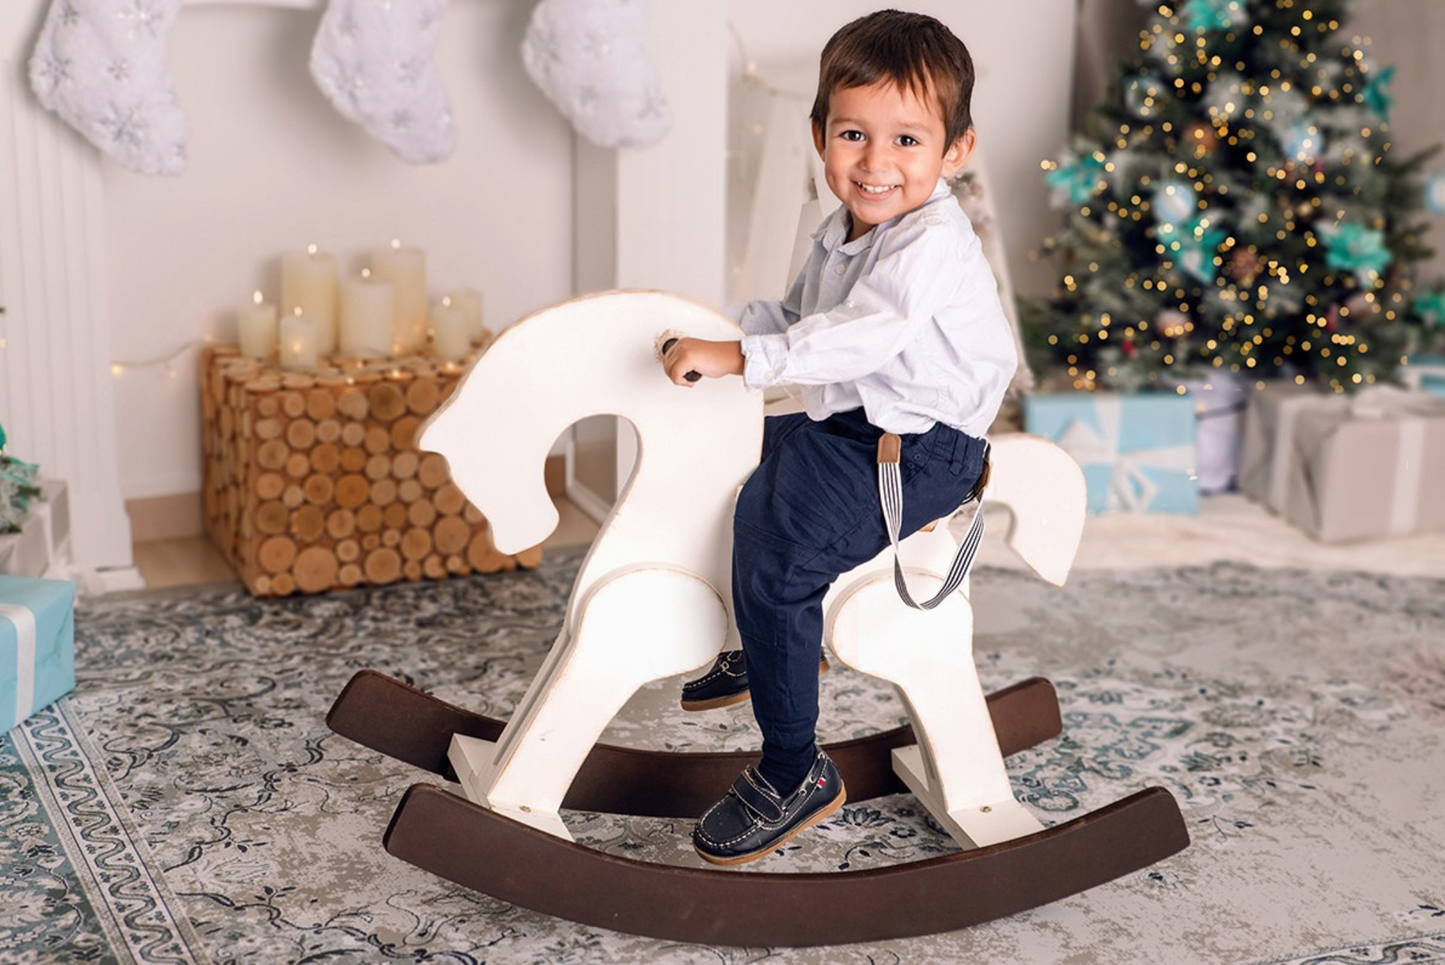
(893,325)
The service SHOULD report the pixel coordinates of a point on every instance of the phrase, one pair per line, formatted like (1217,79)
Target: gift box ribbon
(1413,409)
(1130,487)
(24,622)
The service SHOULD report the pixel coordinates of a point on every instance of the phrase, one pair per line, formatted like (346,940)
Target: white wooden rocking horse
(652,600)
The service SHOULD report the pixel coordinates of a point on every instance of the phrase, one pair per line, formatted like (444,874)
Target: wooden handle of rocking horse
(691,376)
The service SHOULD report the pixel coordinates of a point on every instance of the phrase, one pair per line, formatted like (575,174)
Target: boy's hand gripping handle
(690,376)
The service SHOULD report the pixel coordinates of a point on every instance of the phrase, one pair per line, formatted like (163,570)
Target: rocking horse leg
(638,626)
(956,770)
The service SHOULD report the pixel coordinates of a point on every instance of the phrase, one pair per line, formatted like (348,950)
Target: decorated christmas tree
(1238,208)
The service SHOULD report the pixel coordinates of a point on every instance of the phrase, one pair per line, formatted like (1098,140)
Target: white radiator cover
(56,395)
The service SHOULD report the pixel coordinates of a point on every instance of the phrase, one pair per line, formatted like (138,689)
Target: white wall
(272,166)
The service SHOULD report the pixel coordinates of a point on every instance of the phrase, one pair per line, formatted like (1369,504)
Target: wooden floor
(194,561)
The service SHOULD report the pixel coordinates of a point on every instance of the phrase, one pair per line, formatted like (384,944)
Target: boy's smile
(883,152)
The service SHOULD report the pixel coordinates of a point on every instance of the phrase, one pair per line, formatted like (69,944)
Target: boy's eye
(851,135)
(907,140)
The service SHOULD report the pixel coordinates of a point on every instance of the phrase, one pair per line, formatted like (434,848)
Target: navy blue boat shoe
(724,684)
(753,820)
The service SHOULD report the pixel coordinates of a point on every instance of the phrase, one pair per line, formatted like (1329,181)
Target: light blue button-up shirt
(904,322)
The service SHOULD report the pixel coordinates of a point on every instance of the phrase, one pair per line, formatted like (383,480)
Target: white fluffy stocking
(373,61)
(103,66)
(588,56)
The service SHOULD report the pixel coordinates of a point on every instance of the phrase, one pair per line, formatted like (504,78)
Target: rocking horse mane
(596,355)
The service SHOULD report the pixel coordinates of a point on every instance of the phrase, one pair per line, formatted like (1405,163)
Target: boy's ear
(958,152)
(818,138)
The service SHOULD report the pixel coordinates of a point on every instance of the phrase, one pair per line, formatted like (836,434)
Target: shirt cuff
(763,359)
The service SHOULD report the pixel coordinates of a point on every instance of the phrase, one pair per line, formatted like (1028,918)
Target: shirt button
(840,269)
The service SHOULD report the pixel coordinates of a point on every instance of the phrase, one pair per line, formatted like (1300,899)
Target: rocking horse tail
(1043,488)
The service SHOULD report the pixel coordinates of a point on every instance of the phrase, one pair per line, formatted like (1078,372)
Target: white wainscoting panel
(56,394)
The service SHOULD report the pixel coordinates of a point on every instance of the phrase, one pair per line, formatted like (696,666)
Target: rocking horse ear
(1044,490)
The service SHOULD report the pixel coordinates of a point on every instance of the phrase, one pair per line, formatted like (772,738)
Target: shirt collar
(834,229)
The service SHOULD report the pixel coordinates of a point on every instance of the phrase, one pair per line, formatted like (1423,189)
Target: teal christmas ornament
(1207,15)
(1435,192)
(1142,94)
(1376,94)
(1175,202)
(1430,306)
(1195,248)
(1304,143)
(1354,248)
(1077,180)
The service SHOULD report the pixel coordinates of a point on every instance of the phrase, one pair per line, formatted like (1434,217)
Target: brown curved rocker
(451,837)
(412,726)
(472,846)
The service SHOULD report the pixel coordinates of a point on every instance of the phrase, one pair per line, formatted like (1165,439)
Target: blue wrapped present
(37,645)
(1137,451)
(1426,373)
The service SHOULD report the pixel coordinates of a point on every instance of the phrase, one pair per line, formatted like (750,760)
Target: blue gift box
(37,645)
(1425,372)
(1137,451)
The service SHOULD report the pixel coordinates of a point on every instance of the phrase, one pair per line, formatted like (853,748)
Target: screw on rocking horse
(652,599)
(773,541)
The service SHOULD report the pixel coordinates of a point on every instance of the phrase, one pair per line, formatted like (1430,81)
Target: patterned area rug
(188,804)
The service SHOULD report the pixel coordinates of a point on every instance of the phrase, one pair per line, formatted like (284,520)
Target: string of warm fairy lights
(1236,217)
(167,363)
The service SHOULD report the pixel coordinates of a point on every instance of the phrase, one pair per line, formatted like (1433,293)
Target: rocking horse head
(597,355)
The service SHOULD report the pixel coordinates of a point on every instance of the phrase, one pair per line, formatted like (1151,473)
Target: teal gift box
(1426,373)
(37,645)
(1136,450)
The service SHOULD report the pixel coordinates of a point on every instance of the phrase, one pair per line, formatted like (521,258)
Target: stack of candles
(381,312)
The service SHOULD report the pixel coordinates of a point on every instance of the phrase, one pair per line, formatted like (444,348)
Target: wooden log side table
(312,479)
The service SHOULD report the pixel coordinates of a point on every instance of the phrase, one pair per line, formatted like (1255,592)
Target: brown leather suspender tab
(890,449)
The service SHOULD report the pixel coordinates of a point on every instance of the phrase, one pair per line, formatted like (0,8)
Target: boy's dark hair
(910,51)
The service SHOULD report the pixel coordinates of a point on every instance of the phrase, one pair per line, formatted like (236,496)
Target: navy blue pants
(808,514)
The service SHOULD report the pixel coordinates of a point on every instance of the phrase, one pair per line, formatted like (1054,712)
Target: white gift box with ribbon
(42,547)
(1365,466)
(1219,404)
(1268,446)
(37,645)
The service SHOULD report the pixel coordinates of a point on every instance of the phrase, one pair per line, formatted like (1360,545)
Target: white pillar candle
(368,311)
(298,342)
(470,301)
(256,328)
(406,269)
(451,331)
(308,282)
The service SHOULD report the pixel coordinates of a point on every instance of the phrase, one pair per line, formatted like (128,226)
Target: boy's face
(883,152)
